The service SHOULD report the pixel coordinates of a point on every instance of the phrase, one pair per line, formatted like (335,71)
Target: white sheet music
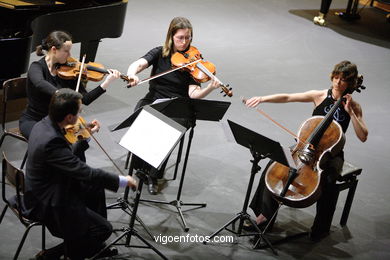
(150,138)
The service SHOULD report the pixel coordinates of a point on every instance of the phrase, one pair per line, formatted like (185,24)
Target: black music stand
(143,139)
(191,110)
(260,147)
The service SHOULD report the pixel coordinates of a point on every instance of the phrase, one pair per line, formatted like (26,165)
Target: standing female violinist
(175,84)
(43,80)
(343,76)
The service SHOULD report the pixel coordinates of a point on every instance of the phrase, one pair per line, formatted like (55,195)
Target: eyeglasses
(182,38)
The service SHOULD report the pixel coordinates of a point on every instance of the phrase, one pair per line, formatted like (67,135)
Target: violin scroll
(359,87)
(227,90)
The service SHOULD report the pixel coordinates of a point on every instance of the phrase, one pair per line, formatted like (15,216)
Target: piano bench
(348,180)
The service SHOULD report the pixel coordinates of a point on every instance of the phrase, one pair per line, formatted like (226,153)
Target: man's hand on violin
(134,80)
(112,75)
(253,102)
(95,126)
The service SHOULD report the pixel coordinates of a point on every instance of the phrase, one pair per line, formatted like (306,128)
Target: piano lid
(26,4)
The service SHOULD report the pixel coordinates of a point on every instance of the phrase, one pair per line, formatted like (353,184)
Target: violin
(78,131)
(319,138)
(92,71)
(200,70)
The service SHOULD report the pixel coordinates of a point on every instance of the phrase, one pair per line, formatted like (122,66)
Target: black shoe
(247,226)
(109,252)
(53,253)
(152,185)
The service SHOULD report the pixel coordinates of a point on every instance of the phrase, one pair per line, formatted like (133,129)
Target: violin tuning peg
(358,91)
(224,95)
(230,88)
(221,91)
(362,87)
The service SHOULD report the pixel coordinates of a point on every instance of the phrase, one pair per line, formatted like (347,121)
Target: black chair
(13,103)
(348,180)
(15,177)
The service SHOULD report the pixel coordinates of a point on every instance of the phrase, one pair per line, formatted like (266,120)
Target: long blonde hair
(176,24)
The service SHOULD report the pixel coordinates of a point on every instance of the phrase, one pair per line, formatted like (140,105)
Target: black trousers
(83,225)
(264,203)
(325,4)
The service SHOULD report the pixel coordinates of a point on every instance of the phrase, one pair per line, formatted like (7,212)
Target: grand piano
(24,23)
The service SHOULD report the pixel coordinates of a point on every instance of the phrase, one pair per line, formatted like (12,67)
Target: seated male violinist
(61,189)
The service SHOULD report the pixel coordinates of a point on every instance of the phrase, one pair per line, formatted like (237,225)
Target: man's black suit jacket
(56,181)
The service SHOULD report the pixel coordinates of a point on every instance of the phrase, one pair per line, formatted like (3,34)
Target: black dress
(41,85)
(174,84)
(264,203)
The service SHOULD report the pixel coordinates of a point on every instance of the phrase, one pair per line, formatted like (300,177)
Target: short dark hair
(347,70)
(63,102)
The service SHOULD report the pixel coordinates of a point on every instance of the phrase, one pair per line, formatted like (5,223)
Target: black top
(174,84)
(340,116)
(55,178)
(41,85)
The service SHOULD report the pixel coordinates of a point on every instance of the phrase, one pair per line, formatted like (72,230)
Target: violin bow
(81,72)
(165,72)
(101,147)
(275,122)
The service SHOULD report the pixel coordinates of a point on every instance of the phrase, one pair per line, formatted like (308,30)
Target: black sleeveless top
(340,116)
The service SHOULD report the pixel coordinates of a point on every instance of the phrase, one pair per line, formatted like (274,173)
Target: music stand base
(126,206)
(178,204)
(260,245)
(242,216)
(130,232)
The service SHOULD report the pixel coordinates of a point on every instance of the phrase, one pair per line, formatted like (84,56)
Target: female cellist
(175,84)
(343,76)
(43,80)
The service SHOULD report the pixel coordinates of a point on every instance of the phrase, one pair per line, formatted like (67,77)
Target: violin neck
(93,68)
(104,71)
(207,72)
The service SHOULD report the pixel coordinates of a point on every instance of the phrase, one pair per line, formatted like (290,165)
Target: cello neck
(316,135)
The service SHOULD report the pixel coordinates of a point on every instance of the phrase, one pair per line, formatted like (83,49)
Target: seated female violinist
(175,84)
(343,76)
(43,80)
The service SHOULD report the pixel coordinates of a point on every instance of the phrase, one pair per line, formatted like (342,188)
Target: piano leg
(89,48)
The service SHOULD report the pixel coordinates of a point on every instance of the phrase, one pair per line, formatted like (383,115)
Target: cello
(319,138)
